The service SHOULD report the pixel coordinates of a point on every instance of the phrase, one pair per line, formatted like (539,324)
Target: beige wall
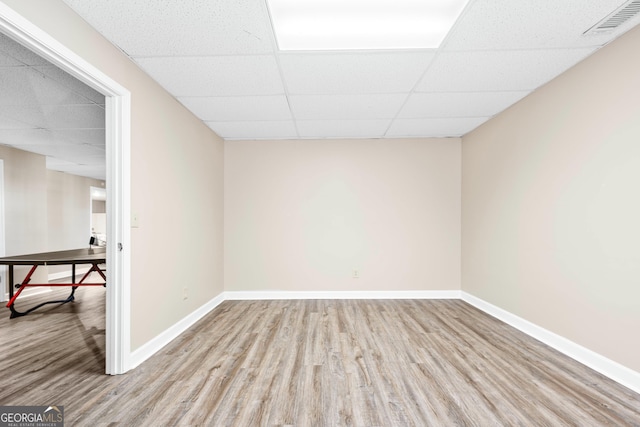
(25,205)
(551,205)
(68,210)
(98,207)
(68,213)
(302,215)
(176,182)
(44,210)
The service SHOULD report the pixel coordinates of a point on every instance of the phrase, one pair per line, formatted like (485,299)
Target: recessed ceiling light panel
(362,24)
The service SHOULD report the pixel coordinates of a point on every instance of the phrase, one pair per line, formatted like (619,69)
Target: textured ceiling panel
(498,70)
(216,76)
(532,24)
(336,107)
(435,127)
(58,116)
(95,170)
(70,152)
(7,61)
(47,111)
(343,128)
(181,28)
(10,123)
(94,137)
(27,86)
(458,104)
(341,73)
(20,138)
(239,108)
(255,130)
(23,137)
(71,84)
(19,53)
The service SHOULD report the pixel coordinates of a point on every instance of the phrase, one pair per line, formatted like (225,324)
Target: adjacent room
(401,226)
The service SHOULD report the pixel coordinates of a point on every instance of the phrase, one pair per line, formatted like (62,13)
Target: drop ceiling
(46,111)
(220,59)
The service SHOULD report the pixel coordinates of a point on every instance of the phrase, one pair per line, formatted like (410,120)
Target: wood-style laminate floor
(308,363)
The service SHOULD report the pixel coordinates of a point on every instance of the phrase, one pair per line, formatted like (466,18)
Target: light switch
(135,220)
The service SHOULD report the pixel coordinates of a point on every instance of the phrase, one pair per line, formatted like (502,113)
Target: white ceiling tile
(88,116)
(27,86)
(458,104)
(95,170)
(12,123)
(96,137)
(337,107)
(47,111)
(23,137)
(238,108)
(71,83)
(498,70)
(7,61)
(533,24)
(434,127)
(216,76)
(71,152)
(333,73)
(343,128)
(19,53)
(255,130)
(185,27)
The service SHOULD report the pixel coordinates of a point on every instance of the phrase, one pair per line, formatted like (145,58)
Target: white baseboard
(288,295)
(143,353)
(607,367)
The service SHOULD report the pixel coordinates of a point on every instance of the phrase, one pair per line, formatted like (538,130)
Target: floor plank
(309,363)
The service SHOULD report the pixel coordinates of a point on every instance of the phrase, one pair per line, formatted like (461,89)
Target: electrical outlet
(356,274)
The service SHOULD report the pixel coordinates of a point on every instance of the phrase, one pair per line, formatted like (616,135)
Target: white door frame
(118,134)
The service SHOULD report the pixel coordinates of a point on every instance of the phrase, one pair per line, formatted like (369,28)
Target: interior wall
(176,182)
(68,213)
(25,204)
(303,215)
(551,205)
(69,210)
(99,206)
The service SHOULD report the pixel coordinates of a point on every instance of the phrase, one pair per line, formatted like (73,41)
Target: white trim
(118,117)
(289,295)
(118,309)
(615,371)
(156,344)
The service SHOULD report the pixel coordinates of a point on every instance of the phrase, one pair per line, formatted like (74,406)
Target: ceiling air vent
(616,18)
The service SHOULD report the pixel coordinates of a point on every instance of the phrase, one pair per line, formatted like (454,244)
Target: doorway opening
(118,116)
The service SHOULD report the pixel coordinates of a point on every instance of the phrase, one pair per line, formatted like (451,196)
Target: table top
(74,256)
